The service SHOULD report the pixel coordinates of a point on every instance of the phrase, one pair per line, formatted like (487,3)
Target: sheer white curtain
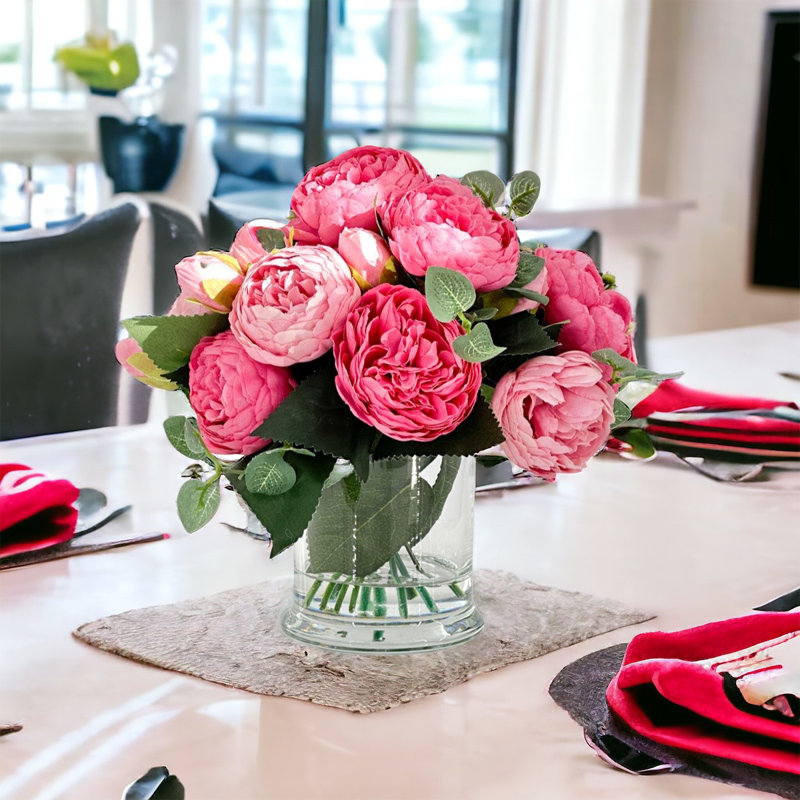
(580,98)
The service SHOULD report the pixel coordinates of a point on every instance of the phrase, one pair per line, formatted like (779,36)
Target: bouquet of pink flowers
(394,314)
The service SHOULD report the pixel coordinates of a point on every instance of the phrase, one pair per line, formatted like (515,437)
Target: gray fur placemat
(234,638)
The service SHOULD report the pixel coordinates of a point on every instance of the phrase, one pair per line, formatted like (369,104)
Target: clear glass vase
(386,565)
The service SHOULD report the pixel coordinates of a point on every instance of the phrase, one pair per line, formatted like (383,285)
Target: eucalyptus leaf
(448,293)
(529,294)
(621,412)
(267,473)
(270,238)
(626,370)
(175,429)
(485,185)
(477,345)
(194,442)
(482,314)
(197,503)
(169,341)
(528,269)
(523,191)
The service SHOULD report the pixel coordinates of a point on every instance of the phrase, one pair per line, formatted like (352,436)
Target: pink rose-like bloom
(368,257)
(210,279)
(598,317)
(555,411)
(291,304)
(539,284)
(396,368)
(247,247)
(232,394)
(343,193)
(444,224)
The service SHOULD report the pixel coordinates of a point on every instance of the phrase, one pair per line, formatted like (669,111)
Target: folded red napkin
(691,422)
(709,689)
(35,511)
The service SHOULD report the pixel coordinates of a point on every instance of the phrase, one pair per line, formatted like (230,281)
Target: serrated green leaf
(521,334)
(487,393)
(528,269)
(267,473)
(194,441)
(448,293)
(314,416)
(286,515)
(169,341)
(175,429)
(481,314)
(621,412)
(523,191)
(479,431)
(197,503)
(626,370)
(477,345)
(488,461)
(485,185)
(270,238)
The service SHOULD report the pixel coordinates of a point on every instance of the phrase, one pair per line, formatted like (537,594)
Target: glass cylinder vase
(385,565)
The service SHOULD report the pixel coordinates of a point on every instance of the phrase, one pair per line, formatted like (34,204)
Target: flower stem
(328,592)
(456,590)
(340,597)
(312,591)
(421,590)
(353,598)
(402,602)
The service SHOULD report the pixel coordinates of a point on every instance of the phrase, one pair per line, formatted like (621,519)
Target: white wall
(699,144)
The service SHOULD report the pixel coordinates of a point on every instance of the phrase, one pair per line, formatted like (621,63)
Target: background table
(655,535)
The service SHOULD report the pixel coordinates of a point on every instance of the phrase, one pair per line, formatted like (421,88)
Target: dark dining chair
(59,319)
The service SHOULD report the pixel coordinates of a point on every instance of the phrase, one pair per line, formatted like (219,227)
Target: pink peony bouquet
(393,314)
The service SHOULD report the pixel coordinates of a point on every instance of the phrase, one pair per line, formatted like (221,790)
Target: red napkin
(35,511)
(672,689)
(696,423)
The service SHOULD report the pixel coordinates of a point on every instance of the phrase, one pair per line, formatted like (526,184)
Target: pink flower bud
(367,256)
(211,279)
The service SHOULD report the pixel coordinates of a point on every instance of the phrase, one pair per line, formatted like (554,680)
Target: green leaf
(169,341)
(529,294)
(626,371)
(194,441)
(528,269)
(533,245)
(521,334)
(477,345)
(286,515)
(314,416)
(358,526)
(270,238)
(485,185)
(479,431)
(642,446)
(523,190)
(448,292)
(490,461)
(487,393)
(175,429)
(621,413)
(481,314)
(197,503)
(268,473)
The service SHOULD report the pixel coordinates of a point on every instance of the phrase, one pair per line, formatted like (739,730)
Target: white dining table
(657,536)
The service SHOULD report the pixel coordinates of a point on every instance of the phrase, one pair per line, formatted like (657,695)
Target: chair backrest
(59,319)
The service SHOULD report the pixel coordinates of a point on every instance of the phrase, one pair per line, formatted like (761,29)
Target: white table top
(657,536)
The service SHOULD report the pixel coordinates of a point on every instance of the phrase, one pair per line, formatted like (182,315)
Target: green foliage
(626,371)
(99,65)
(477,345)
(268,473)
(641,444)
(485,185)
(621,413)
(271,238)
(169,341)
(448,293)
(528,269)
(523,191)
(198,501)
(521,334)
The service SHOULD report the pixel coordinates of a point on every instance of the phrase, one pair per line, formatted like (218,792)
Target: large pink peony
(555,412)
(210,279)
(247,247)
(396,368)
(344,192)
(232,394)
(444,224)
(598,317)
(291,304)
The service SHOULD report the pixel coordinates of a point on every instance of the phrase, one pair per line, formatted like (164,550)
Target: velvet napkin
(36,511)
(691,422)
(699,689)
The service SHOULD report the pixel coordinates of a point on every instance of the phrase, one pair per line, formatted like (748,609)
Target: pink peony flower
(210,279)
(232,394)
(247,247)
(367,256)
(291,304)
(598,317)
(555,412)
(444,224)
(343,193)
(396,368)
